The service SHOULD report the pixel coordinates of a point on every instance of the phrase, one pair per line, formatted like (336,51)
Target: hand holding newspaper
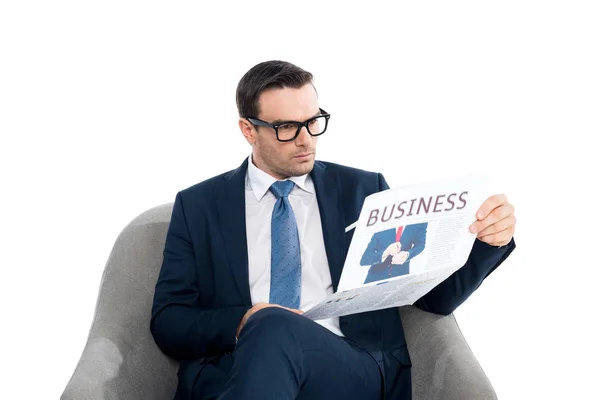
(407,240)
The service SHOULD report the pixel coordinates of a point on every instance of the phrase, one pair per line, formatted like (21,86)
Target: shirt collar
(260,181)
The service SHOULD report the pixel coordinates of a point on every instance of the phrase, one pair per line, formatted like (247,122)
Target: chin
(300,169)
(305,167)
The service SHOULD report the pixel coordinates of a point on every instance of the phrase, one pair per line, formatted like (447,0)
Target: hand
(392,250)
(400,258)
(496,221)
(257,307)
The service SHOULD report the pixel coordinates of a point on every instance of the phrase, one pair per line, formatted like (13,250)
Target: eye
(287,127)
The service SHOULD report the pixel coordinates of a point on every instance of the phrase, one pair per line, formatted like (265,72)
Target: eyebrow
(279,121)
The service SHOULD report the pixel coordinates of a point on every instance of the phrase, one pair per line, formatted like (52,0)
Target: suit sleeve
(419,242)
(452,292)
(372,254)
(382,183)
(180,327)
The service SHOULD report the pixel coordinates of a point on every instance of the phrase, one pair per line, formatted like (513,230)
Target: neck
(260,165)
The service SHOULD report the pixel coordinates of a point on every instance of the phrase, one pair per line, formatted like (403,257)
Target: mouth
(302,156)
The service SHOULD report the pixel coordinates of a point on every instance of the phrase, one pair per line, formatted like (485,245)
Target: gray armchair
(121,360)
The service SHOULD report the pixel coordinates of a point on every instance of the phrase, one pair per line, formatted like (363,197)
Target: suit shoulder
(358,179)
(351,173)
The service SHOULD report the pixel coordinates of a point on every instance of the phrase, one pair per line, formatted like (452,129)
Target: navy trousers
(282,355)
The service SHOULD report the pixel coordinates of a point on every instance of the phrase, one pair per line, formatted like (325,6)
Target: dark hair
(263,76)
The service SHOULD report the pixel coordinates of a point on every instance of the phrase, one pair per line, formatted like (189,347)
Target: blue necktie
(286,268)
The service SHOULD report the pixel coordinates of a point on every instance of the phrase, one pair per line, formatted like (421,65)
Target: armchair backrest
(120,355)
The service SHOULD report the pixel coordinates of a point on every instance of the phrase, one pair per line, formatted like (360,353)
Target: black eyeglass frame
(260,122)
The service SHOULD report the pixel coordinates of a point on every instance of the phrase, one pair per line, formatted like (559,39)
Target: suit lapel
(327,186)
(231,205)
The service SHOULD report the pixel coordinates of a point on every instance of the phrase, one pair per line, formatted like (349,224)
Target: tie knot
(282,188)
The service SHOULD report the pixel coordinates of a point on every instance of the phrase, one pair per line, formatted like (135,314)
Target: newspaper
(407,240)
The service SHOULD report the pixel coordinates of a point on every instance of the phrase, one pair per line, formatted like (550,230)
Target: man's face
(284,159)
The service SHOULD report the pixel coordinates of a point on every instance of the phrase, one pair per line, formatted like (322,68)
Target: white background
(109,108)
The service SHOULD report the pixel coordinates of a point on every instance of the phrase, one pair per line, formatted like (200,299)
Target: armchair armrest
(444,366)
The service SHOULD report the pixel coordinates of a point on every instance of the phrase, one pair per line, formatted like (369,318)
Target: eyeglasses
(287,131)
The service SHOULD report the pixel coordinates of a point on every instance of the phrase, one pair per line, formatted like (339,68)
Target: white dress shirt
(316,279)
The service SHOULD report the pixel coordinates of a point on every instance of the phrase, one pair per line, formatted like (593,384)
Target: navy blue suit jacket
(202,290)
(412,240)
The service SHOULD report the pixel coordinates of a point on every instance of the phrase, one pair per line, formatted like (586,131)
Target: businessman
(247,250)
(389,252)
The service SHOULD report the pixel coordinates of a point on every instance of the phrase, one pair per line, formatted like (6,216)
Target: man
(389,252)
(246,250)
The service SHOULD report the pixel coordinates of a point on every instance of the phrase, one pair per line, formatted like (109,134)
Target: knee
(272,323)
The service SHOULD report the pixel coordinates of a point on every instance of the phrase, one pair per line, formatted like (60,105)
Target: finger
(500,238)
(498,226)
(496,215)
(489,205)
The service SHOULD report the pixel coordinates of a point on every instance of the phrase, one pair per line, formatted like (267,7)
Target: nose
(304,138)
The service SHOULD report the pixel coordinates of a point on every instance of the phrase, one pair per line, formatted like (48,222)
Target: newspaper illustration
(407,240)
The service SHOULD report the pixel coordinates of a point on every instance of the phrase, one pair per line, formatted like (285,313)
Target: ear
(248,130)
